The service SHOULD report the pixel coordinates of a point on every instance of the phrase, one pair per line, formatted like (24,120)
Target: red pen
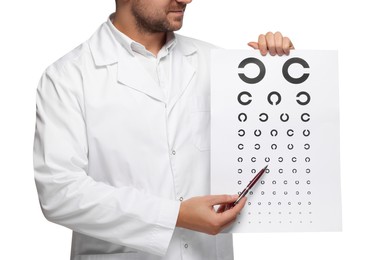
(250,185)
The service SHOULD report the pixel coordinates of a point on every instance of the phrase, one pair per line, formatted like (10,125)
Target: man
(121,150)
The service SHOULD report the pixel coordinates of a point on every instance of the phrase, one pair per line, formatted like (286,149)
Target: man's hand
(198,213)
(273,43)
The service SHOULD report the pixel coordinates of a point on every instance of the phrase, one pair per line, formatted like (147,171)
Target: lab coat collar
(105,47)
(132,46)
(106,50)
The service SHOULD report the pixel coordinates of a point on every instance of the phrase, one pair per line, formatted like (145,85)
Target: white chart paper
(282,112)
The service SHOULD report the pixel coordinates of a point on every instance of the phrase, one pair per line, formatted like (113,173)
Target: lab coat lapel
(132,74)
(107,50)
(182,74)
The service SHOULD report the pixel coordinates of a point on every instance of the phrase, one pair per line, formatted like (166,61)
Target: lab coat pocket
(201,129)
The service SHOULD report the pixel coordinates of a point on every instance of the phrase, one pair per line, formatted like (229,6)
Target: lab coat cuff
(166,223)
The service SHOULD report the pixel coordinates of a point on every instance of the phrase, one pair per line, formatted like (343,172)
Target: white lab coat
(113,160)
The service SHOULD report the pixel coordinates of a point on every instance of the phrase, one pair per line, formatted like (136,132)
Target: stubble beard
(155,22)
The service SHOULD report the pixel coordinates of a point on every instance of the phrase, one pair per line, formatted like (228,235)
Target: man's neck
(152,41)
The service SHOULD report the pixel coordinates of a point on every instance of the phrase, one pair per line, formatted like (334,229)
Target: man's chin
(176,26)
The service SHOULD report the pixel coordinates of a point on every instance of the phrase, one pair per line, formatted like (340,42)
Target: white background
(36,33)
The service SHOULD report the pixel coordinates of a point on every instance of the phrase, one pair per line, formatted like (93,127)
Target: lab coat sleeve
(69,197)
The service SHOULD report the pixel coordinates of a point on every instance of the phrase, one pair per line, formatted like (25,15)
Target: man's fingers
(230,215)
(287,45)
(232,212)
(254,45)
(270,41)
(221,199)
(263,45)
(279,42)
(238,207)
(198,213)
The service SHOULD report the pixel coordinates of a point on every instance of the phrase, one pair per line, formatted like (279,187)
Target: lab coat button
(181,198)
(186,245)
(173,152)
